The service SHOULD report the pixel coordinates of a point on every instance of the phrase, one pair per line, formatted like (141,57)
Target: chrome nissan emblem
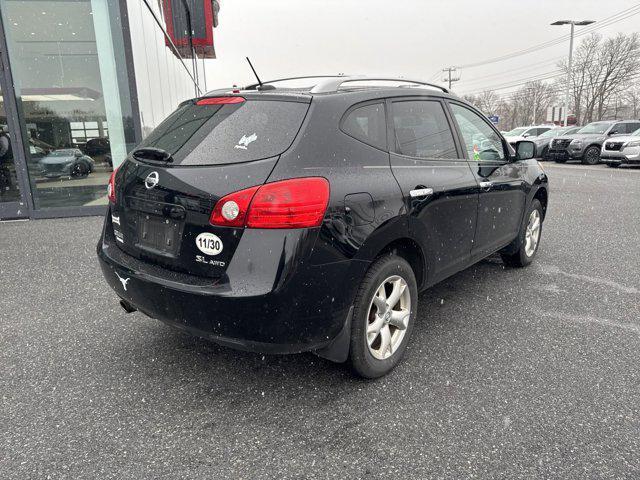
(152,180)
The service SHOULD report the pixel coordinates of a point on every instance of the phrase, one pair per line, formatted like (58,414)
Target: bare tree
(602,70)
(632,99)
(487,101)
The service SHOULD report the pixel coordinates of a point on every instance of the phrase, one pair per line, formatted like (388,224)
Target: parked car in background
(585,145)
(97,146)
(282,221)
(542,141)
(69,162)
(528,133)
(622,150)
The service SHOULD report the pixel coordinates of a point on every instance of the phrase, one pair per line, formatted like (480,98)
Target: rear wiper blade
(152,154)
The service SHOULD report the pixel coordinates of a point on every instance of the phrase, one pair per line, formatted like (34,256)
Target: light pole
(573,23)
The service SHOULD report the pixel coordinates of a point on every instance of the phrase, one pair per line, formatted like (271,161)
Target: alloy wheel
(388,317)
(592,156)
(532,234)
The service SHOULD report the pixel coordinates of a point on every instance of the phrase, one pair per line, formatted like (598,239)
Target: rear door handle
(486,185)
(421,192)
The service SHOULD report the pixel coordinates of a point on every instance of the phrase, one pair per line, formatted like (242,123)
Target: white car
(522,133)
(622,149)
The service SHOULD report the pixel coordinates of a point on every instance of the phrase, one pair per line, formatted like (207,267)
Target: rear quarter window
(367,124)
(229,133)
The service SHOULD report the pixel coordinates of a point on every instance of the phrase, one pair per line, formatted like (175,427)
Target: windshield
(595,127)
(217,134)
(62,153)
(515,132)
(550,133)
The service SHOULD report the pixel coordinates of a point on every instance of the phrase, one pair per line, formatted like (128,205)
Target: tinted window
(367,124)
(422,130)
(482,142)
(232,133)
(631,127)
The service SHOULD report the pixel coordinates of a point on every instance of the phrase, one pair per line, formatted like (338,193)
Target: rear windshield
(229,133)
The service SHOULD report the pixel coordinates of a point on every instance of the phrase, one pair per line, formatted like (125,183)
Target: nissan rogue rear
(280,221)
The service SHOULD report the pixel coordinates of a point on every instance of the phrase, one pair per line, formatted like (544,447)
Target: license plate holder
(159,235)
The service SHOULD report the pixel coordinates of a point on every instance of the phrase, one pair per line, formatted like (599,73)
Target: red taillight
(295,203)
(220,100)
(111,187)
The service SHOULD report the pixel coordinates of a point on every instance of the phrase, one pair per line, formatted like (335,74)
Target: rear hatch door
(167,188)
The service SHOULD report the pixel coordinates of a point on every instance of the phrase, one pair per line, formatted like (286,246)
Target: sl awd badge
(209,243)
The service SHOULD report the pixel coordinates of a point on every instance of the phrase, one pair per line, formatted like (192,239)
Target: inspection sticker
(209,243)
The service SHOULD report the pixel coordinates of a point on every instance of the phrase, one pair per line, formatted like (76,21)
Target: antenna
(254,71)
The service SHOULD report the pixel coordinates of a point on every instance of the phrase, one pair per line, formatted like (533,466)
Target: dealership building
(82,82)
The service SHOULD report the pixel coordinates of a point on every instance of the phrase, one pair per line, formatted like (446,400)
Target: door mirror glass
(525,150)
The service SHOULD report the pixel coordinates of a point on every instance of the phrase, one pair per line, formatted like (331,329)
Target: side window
(617,129)
(422,130)
(482,142)
(632,127)
(367,124)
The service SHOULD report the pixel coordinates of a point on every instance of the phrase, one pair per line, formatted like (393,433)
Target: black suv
(287,220)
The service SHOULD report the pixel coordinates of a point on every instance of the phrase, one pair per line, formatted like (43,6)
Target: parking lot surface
(530,373)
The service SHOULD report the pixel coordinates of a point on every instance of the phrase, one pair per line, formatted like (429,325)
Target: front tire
(528,239)
(591,156)
(383,317)
(79,170)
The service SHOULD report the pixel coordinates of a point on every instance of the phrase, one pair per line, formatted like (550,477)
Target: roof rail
(254,86)
(334,83)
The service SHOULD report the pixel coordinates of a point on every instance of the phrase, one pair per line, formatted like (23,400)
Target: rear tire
(591,156)
(528,238)
(380,331)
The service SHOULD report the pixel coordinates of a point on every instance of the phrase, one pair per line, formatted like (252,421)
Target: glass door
(11,201)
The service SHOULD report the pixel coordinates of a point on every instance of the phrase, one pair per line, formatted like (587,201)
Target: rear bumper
(270,303)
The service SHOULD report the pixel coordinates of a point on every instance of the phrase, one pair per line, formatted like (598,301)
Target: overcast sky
(412,38)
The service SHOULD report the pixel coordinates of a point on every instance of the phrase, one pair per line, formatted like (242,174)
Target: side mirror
(526,135)
(525,149)
(78,154)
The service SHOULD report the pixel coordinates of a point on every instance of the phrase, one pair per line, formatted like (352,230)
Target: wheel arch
(395,237)
(542,195)
(591,145)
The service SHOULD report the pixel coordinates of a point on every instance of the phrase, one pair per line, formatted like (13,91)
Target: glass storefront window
(69,91)
(9,190)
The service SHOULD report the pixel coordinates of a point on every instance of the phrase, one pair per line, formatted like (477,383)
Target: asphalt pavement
(511,373)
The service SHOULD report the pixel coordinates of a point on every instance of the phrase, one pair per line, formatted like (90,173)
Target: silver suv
(623,149)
